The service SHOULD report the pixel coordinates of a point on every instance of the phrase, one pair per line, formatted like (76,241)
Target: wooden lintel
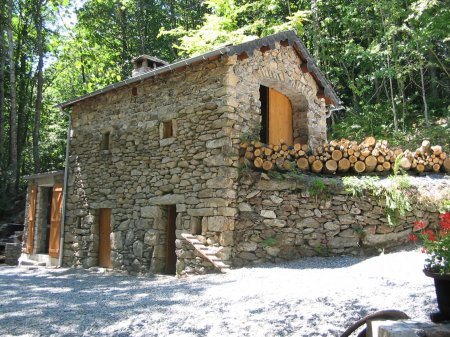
(304,68)
(180,69)
(242,56)
(263,49)
(215,57)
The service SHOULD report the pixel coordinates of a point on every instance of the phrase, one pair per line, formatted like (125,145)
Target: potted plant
(436,243)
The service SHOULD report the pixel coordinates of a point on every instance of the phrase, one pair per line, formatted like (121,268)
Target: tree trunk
(40,82)
(391,87)
(13,110)
(424,96)
(2,83)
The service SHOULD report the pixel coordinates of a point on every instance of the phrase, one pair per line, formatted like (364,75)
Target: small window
(105,141)
(134,91)
(167,129)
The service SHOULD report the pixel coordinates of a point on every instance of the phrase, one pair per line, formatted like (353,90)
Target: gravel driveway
(310,297)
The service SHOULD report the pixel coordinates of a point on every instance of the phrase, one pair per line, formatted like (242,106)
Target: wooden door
(55,220)
(104,243)
(280,118)
(31,219)
(171,257)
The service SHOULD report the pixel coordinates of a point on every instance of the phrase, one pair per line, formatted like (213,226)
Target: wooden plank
(280,118)
(171,257)
(55,220)
(31,219)
(104,243)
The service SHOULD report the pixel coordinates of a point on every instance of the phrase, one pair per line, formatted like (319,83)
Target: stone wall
(279,220)
(141,173)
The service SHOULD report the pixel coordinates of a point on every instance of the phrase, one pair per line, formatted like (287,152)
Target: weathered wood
(258,162)
(343,165)
(303,164)
(331,166)
(359,166)
(267,165)
(317,166)
(336,155)
(371,163)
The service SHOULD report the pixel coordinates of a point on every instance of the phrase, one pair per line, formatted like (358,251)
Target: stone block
(248,246)
(341,242)
(245,207)
(167,199)
(408,328)
(268,214)
(308,223)
(151,237)
(217,143)
(220,182)
(275,222)
(217,223)
(276,199)
(200,211)
(138,248)
(226,238)
(153,212)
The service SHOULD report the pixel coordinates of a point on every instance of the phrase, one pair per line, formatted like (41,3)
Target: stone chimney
(145,63)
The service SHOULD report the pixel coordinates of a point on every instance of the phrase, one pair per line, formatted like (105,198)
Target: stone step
(24,262)
(209,253)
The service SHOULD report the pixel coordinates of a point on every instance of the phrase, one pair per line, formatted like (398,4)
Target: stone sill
(408,328)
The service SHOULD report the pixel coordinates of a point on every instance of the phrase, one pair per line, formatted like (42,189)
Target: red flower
(413,237)
(430,235)
(423,250)
(444,224)
(418,225)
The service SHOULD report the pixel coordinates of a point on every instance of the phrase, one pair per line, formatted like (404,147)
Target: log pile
(344,156)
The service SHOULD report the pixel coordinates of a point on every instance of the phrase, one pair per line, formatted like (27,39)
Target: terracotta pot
(442,286)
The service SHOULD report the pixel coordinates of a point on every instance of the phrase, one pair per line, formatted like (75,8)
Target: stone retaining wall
(279,220)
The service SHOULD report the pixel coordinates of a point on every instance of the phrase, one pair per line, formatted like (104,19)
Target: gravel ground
(309,297)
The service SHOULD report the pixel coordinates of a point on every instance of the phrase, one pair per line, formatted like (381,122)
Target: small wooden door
(104,244)
(171,256)
(55,220)
(280,118)
(31,219)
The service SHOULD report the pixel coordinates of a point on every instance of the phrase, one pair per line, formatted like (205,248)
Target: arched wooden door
(280,118)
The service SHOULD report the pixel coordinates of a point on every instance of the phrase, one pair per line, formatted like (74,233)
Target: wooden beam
(242,56)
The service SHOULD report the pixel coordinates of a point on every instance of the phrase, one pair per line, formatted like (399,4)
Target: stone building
(153,161)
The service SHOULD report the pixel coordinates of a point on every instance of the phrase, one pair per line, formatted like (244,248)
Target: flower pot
(442,286)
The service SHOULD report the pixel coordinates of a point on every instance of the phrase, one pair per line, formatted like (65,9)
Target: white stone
(268,214)
(275,223)
(276,199)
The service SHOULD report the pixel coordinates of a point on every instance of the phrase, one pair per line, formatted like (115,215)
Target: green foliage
(394,195)
(252,135)
(275,175)
(357,186)
(234,22)
(269,242)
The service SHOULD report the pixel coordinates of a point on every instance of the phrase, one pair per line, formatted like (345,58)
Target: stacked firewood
(343,156)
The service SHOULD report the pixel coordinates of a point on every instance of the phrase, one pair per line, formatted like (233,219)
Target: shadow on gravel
(71,300)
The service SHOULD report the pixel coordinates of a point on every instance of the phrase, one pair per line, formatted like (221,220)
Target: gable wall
(196,170)
(280,69)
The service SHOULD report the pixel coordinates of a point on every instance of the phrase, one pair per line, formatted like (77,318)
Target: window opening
(134,91)
(167,129)
(105,141)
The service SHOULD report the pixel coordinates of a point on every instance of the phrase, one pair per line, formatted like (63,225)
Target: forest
(388,60)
